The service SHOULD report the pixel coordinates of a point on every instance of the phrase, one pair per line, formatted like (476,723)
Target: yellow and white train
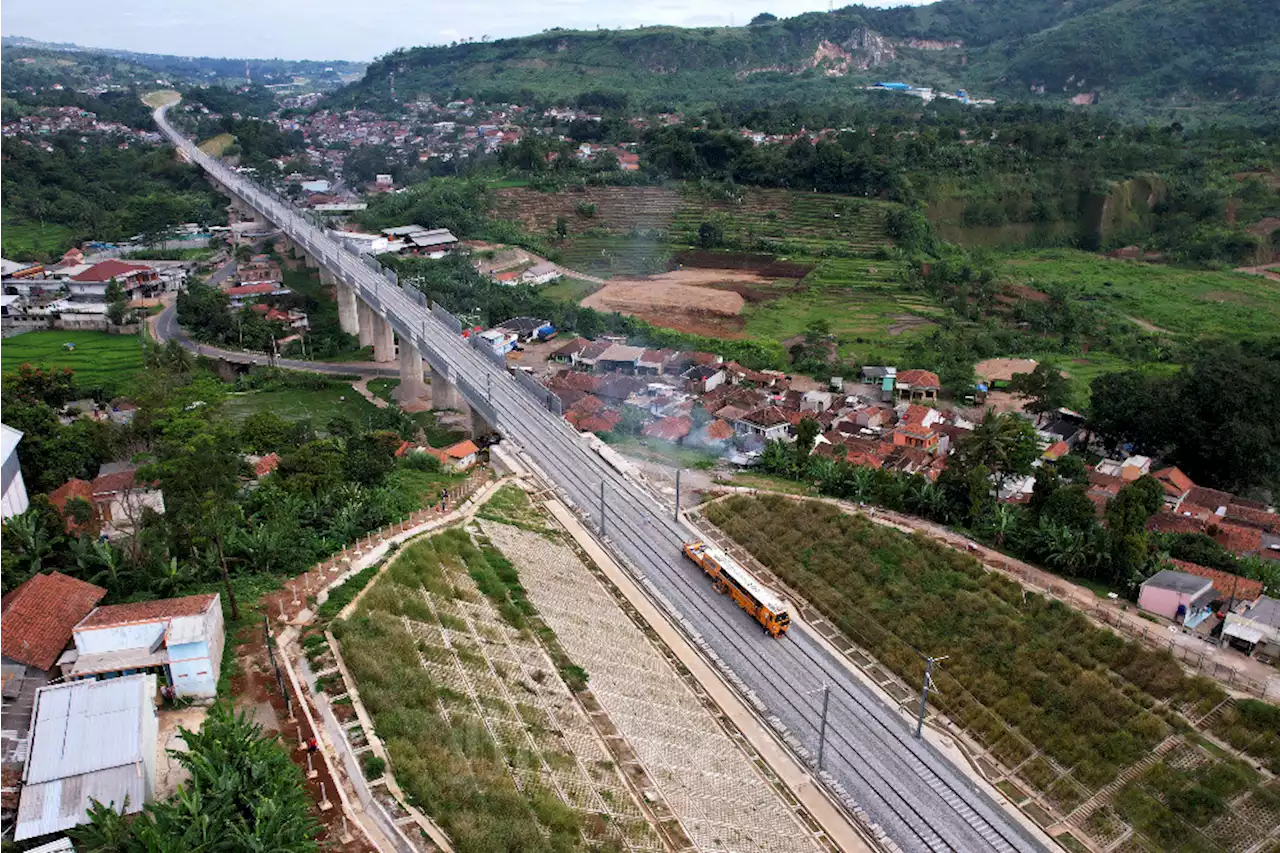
(751,595)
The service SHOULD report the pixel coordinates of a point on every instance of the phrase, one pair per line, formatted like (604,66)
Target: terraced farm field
(618,209)
(804,222)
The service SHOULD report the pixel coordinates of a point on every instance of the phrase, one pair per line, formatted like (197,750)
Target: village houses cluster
(894,420)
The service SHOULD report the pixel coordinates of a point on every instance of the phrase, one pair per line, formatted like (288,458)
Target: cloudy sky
(350,29)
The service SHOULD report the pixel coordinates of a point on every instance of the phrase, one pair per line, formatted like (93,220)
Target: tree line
(334,481)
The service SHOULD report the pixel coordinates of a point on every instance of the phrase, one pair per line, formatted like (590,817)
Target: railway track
(911,790)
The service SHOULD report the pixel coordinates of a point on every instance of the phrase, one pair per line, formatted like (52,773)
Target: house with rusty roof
(91,741)
(672,429)
(179,640)
(767,422)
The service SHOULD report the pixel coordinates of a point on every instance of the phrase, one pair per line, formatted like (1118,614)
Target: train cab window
(784,619)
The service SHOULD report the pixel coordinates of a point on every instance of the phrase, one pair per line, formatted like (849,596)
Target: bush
(373,766)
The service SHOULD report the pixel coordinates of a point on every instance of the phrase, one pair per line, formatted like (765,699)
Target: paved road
(906,786)
(165,327)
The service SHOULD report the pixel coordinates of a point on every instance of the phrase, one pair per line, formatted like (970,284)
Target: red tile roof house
(137,281)
(1227,585)
(917,384)
(76,489)
(672,429)
(179,639)
(39,616)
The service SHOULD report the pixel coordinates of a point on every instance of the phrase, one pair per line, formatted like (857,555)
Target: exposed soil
(256,691)
(1015,292)
(1149,327)
(701,301)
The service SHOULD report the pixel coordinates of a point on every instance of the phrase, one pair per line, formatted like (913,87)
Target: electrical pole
(602,508)
(677,516)
(822,731)
(924,691)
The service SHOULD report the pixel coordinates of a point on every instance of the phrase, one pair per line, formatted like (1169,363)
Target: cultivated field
(803,223)
(1090,734)
(99,359)
(215,145)
(721,800)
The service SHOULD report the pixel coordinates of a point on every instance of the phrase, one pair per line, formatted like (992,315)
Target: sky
(350,29)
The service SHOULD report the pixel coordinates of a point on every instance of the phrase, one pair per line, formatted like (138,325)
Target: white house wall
(118,638)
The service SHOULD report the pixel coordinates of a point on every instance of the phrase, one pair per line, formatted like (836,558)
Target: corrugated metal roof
(92,740)
(63,803)
(83,726)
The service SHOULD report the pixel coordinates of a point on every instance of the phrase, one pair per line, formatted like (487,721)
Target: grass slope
(1184,302)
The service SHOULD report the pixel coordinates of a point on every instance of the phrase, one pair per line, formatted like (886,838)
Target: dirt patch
(700,301)
(765,266)
(1016,292)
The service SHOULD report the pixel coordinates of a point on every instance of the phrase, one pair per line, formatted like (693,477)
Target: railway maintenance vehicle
(732,579)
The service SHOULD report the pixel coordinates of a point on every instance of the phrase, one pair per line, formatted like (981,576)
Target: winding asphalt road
(905,786)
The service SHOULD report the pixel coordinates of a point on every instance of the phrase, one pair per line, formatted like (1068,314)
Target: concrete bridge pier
(411,387)
(364,323)
(444,394)
(348,314)
(384,339)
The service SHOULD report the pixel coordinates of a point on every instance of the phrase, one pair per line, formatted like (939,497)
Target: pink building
(1177,596)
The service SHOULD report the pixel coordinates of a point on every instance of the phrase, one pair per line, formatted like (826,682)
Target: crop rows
(813,221)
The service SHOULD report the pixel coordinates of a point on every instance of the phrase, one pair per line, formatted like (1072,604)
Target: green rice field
(867,309)
(99,359)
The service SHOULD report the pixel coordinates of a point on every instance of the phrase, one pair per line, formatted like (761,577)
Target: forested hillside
(1137,55)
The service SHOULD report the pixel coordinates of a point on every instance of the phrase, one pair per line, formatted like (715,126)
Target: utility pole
(822,732)
(822,724)
(677,516)
(924,691)
(602,508)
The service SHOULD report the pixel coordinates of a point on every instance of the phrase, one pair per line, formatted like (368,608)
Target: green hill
(1149,56)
